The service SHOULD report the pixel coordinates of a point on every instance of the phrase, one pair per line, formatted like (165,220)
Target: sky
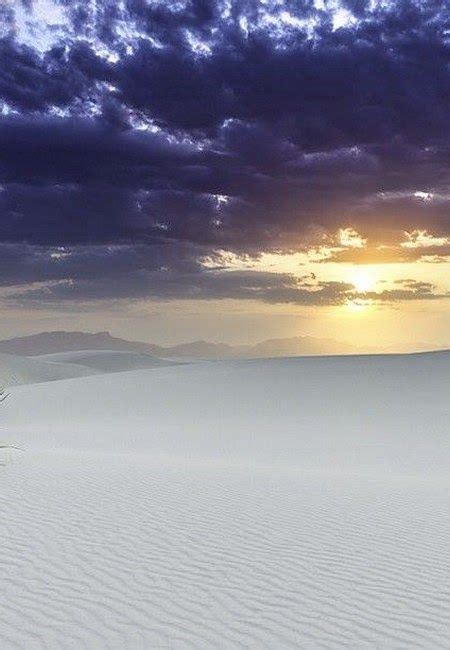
(226,169)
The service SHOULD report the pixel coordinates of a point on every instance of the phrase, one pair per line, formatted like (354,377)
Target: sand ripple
(99,551)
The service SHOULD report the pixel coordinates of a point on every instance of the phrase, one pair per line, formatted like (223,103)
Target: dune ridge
(16,370)
(107,360)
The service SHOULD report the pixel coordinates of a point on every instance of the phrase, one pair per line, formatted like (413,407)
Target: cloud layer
(138,137)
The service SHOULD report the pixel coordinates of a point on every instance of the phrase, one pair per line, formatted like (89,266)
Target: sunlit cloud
(425,196)
(350,238)
(358,305)
(423,239)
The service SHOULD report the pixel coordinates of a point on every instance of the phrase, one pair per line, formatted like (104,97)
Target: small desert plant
(5,445)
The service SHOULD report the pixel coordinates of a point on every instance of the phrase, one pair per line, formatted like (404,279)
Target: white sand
(299,503)
(107,360)
(15,370)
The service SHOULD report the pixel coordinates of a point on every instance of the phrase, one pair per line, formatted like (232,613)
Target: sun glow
(363,279)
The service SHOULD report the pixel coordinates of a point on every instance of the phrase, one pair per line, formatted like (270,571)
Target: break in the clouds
(140,137)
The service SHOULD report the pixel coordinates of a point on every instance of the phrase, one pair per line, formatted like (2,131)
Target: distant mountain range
(61,341)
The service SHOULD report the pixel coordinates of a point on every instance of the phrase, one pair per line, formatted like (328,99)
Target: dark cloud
(49,276)
(408,290)
(34,83)
(201,125)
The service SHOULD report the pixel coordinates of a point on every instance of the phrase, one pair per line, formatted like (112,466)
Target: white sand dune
(107,360)
(15,370)
(298,503)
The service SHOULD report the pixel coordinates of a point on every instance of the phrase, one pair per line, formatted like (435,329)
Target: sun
(363,279)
